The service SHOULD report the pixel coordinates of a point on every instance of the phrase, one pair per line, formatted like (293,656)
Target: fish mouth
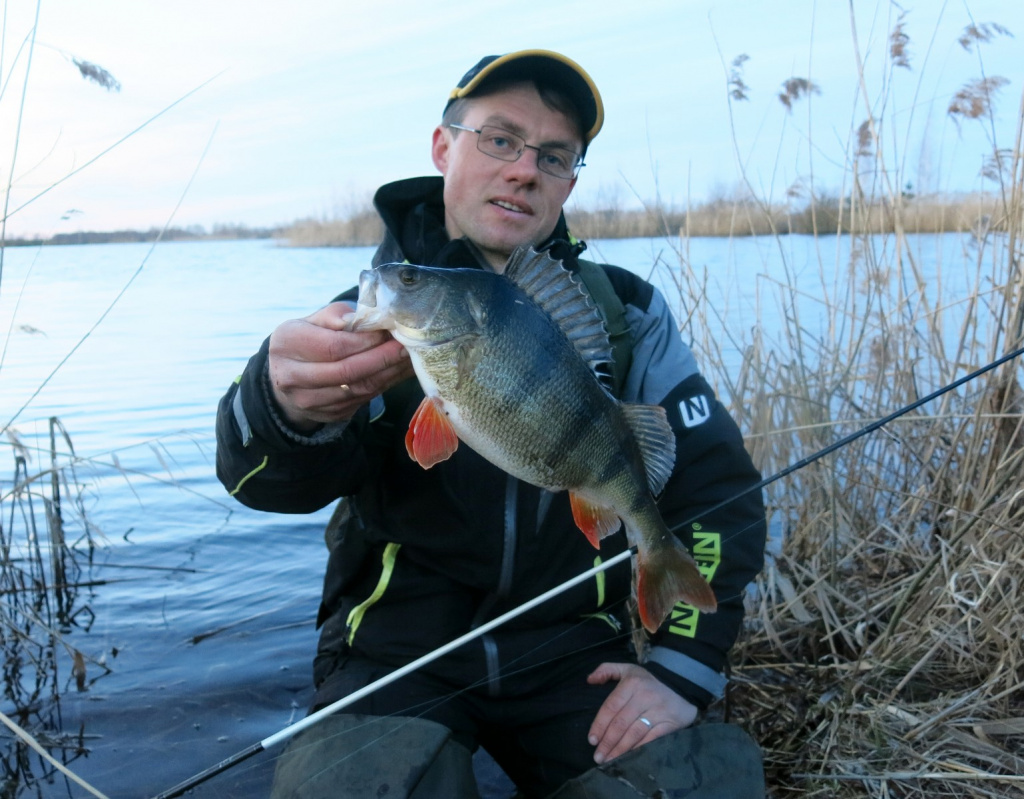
(367,315)
(366,318)
(368,280)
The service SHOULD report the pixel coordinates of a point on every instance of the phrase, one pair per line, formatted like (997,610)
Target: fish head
(421,304)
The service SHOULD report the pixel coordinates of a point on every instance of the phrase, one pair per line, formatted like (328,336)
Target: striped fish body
(509,364)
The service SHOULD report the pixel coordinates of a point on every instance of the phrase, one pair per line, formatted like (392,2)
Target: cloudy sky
(302,109)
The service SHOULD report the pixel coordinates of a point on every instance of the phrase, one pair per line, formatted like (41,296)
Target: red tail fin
(668,575)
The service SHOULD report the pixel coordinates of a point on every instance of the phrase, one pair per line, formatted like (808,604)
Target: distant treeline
(721,217)
(191,233)
(718,218)
(823,215)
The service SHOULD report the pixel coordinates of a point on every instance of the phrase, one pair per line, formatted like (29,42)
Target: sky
(260,113)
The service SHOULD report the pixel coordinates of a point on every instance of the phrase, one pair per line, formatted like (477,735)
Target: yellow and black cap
(547,68)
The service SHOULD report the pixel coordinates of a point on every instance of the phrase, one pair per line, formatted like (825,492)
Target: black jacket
(421,557)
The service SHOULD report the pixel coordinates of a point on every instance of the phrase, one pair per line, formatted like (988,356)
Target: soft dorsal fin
(563,297)
(657,442)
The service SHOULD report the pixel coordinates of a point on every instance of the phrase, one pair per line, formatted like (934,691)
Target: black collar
(413,214)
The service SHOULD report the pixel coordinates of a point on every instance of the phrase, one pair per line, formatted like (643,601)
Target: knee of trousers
(710,761)
(358,755)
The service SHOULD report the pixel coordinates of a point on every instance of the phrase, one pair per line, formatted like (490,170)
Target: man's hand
(619,725)
(320,372)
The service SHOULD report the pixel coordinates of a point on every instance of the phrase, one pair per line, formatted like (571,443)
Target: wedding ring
(344,387)
(645,721)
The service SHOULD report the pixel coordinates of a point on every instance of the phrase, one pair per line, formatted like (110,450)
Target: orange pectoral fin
(596,521)
(431,437)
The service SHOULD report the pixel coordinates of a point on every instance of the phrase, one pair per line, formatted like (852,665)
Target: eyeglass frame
(519,154)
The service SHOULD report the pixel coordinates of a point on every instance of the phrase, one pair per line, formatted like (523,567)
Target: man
(419,558)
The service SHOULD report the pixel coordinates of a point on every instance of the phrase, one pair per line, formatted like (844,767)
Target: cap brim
(550,68)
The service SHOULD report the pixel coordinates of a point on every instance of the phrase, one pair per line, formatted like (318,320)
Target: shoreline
(978,214)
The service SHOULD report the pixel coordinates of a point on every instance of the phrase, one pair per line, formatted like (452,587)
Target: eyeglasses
(506,146)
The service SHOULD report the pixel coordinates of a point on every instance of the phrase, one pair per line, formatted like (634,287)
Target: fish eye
(408,276)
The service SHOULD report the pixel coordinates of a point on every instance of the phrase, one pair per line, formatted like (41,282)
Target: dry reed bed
(744,216)
(362,228)
(885,650)
(884,654)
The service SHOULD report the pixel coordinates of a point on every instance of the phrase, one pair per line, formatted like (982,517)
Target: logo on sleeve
(707,551)
(695,410)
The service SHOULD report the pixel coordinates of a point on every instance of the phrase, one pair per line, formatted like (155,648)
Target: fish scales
(508,365)
(496,382)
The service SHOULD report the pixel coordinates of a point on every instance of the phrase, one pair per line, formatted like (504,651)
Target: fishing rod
(875,425)
(387,679)
(293,729)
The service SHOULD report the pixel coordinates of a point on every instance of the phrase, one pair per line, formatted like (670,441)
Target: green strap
(355,616)
(614,313)
(245,479)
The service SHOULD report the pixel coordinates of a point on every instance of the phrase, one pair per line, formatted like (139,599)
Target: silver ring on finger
(345,387)
(645,721)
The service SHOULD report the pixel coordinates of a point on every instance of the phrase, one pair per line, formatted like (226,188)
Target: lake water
(204,616)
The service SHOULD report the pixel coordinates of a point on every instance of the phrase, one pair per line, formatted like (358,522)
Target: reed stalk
(39,605)
(884,653)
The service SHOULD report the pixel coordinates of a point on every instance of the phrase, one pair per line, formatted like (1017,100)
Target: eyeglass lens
(507,146)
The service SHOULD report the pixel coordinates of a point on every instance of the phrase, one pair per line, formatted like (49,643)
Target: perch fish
(509,364)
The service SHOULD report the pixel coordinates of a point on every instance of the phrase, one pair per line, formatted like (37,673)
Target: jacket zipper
(508,562)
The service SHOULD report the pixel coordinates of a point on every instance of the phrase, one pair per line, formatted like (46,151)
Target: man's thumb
(605,672)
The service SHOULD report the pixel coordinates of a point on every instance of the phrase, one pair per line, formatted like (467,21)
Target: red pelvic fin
(596,521)
(431,437)
(668,576)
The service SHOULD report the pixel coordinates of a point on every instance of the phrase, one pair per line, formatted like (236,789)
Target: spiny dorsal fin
(657,442)
(564,298)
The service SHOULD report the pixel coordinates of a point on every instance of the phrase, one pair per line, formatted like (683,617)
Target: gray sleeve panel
(244,430)
(376,408)
(689,669)
(661,360)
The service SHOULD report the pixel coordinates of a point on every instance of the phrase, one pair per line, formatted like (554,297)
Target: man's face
(500,205)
